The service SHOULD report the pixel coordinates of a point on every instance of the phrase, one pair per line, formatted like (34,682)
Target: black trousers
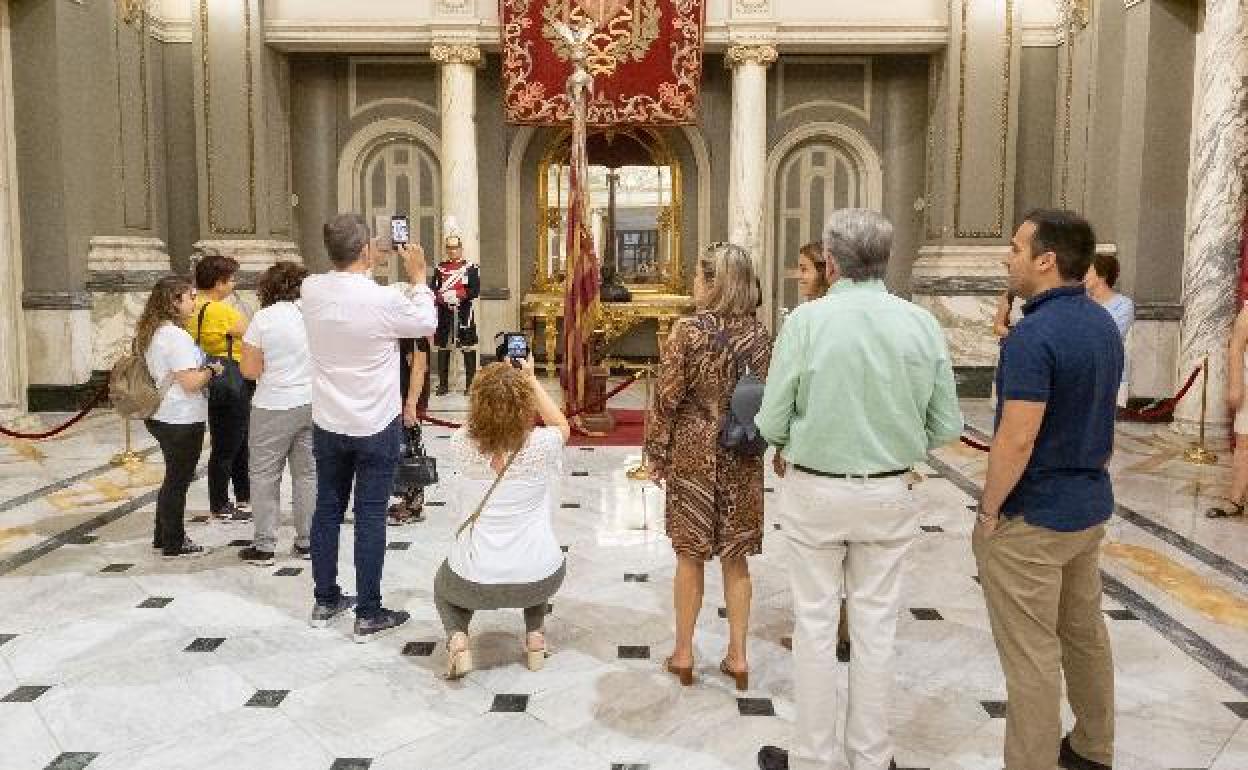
(227,424)
(181,446)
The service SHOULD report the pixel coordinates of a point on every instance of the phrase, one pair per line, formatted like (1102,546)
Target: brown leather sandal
(741,678)
(683,673)
(1235,509)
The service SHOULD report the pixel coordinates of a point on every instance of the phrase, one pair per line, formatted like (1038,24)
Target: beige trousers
(1043,591)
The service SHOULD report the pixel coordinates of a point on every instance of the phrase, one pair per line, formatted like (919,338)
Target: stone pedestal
(748,150)
(1216,202)
(457,103)
(121,271)
(59,342)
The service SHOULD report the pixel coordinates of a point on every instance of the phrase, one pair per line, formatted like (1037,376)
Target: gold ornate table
(618,318)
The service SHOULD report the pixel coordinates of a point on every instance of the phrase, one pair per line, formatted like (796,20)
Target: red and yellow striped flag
(580,301)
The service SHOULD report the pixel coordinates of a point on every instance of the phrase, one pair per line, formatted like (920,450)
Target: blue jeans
(370,462)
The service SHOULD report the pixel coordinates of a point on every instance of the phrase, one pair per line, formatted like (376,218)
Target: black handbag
(416,468)
(230,385)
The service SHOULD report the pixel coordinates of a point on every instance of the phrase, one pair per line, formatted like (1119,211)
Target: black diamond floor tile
(419,649)
(1122,614)
(977,580)
(995,708)
(723,612)
(6,638)
(155,602)
(550,609)
(586,448)
(925,613)
(755,707)
(629,766)
(633,652)
(636,577)
(241,543)
(398,545)
(435,503)
(117,568)
(787,643)
(205,644)
(510,704)
(769,489)
(267,699)
(931,528)
(351,763)
(580,474)
(776,526)
(27,693)
(563,548)
(72,760)
(288,572)
(569,505)
(1239,708)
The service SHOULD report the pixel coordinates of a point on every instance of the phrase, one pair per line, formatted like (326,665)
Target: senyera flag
(645,56)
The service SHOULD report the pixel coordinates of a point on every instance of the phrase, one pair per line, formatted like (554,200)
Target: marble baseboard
(63,398)
(58,345)
(967,321)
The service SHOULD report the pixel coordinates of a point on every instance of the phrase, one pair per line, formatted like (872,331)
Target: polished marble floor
(112,658)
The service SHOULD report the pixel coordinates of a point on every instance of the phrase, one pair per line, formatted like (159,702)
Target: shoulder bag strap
(471,521)
(199,330)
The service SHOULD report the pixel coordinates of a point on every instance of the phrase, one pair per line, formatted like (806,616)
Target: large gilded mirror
(635,210)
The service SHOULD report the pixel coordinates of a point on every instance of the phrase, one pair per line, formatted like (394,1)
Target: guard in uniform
(456,284)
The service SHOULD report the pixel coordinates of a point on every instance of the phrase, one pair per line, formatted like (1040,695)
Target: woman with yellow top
(218,327)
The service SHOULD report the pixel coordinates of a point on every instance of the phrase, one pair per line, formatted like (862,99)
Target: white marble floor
(112,658)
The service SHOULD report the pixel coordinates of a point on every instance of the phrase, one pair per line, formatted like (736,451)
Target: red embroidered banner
(645,56)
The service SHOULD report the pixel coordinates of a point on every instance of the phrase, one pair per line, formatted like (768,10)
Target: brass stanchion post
(128,457)
(1198,454)
(641,472)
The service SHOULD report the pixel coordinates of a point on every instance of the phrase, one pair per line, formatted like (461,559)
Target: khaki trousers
(1043,591)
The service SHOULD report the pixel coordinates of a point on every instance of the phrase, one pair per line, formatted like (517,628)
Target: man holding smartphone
(354,326)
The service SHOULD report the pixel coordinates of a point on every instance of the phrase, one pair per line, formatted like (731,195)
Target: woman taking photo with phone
(177,367)
(505,476)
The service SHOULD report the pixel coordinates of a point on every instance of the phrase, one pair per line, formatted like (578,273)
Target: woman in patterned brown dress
(714,497)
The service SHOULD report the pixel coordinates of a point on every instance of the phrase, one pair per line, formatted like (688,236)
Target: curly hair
(162,305)
(281,282)
(814,252)
(501,409)
(212,269)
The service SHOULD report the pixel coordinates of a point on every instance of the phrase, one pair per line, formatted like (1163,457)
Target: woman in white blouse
(506,478)
(179,369)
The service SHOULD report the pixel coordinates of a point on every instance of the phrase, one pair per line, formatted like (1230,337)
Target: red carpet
(628,431)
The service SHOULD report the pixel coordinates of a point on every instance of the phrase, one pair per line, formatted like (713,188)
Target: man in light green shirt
(859,389)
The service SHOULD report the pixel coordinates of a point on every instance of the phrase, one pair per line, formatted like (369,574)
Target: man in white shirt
(354,326)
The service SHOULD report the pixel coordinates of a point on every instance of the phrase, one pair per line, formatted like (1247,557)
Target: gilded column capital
(754,53)
(457,53)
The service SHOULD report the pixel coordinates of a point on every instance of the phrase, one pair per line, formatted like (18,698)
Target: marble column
(748,152)
(12,333)
(1216,203)
(457,101)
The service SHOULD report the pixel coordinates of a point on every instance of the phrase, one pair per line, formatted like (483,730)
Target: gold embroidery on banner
(626,33)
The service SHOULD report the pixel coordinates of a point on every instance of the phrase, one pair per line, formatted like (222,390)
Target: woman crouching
(506,476)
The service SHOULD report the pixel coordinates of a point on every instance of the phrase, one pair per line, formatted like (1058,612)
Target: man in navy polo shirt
(1046,499)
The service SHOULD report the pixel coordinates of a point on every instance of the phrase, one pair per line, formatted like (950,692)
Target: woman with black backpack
(714,492)
(180,372)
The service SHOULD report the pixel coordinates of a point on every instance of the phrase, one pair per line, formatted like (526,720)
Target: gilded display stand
(642,471)
(1198,454)
(128,458)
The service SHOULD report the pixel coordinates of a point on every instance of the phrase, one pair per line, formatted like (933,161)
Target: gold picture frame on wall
(635,196)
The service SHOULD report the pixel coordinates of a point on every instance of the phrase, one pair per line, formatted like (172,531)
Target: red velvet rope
(424,416)
(95,400)
(1162,408)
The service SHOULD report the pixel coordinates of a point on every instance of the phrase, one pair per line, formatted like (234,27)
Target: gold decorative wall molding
(458,53)
(998,228)
(131,11)
(144,119)
(762,54)
(214,223)
(935,68)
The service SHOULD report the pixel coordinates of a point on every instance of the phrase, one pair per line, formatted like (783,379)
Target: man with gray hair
(860,388)
(354,326)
